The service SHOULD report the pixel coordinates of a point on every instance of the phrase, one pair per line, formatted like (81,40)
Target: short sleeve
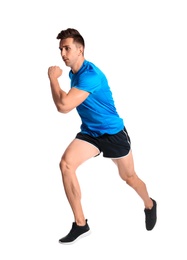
(88,81)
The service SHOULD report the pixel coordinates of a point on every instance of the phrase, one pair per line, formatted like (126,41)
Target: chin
(67,64)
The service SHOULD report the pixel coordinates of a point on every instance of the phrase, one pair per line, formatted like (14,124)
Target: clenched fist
(54,72)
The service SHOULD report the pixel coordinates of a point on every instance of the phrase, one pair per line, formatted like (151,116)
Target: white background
(141,46)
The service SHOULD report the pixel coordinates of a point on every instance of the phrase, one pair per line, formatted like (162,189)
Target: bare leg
(127,173)
(76,153)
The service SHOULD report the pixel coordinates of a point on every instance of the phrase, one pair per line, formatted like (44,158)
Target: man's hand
(54,72)
(64,102)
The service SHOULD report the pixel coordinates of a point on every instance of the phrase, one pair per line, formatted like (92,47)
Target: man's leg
(76,153)
(127,173)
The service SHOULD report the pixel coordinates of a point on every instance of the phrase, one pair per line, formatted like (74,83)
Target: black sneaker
(151,216)
(75,233)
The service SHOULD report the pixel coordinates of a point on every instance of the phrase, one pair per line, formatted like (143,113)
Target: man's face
(70,51)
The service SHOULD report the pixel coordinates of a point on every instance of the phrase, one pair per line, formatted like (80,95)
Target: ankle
(149,204)
(80,222)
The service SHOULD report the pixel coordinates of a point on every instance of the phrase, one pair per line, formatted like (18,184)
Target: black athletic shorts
(112,146)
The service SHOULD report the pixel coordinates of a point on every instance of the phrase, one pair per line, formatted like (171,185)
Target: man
(102,130)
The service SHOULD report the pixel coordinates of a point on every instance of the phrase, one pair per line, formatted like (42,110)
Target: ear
(81,50)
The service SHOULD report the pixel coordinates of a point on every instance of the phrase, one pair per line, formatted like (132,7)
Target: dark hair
(71,33)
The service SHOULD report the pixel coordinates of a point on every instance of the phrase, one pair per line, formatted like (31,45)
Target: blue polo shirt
(97,112)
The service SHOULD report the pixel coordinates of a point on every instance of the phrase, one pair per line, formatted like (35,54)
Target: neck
(77,66)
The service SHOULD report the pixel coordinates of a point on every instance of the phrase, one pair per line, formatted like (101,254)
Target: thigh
(78,152)
(125,166)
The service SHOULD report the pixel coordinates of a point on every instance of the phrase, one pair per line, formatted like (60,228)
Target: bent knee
(131,179)
(66,166)
(63,165)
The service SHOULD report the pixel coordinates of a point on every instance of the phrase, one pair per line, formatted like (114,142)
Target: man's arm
(64,102)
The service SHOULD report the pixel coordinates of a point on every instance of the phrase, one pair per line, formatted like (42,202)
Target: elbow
(63,109)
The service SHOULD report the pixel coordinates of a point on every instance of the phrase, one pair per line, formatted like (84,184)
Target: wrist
(53,79)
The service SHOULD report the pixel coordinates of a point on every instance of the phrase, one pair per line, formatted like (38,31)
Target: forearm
(64,102)
(58,94)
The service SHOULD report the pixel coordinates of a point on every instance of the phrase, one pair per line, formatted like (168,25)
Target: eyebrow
(64,47)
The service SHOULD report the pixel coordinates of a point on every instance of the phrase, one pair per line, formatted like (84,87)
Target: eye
(67,48)
(60,49)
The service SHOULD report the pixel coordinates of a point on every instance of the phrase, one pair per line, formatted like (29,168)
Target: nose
(61,52)
(63,55)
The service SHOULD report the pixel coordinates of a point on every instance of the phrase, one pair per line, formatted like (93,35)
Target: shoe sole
(81,236)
